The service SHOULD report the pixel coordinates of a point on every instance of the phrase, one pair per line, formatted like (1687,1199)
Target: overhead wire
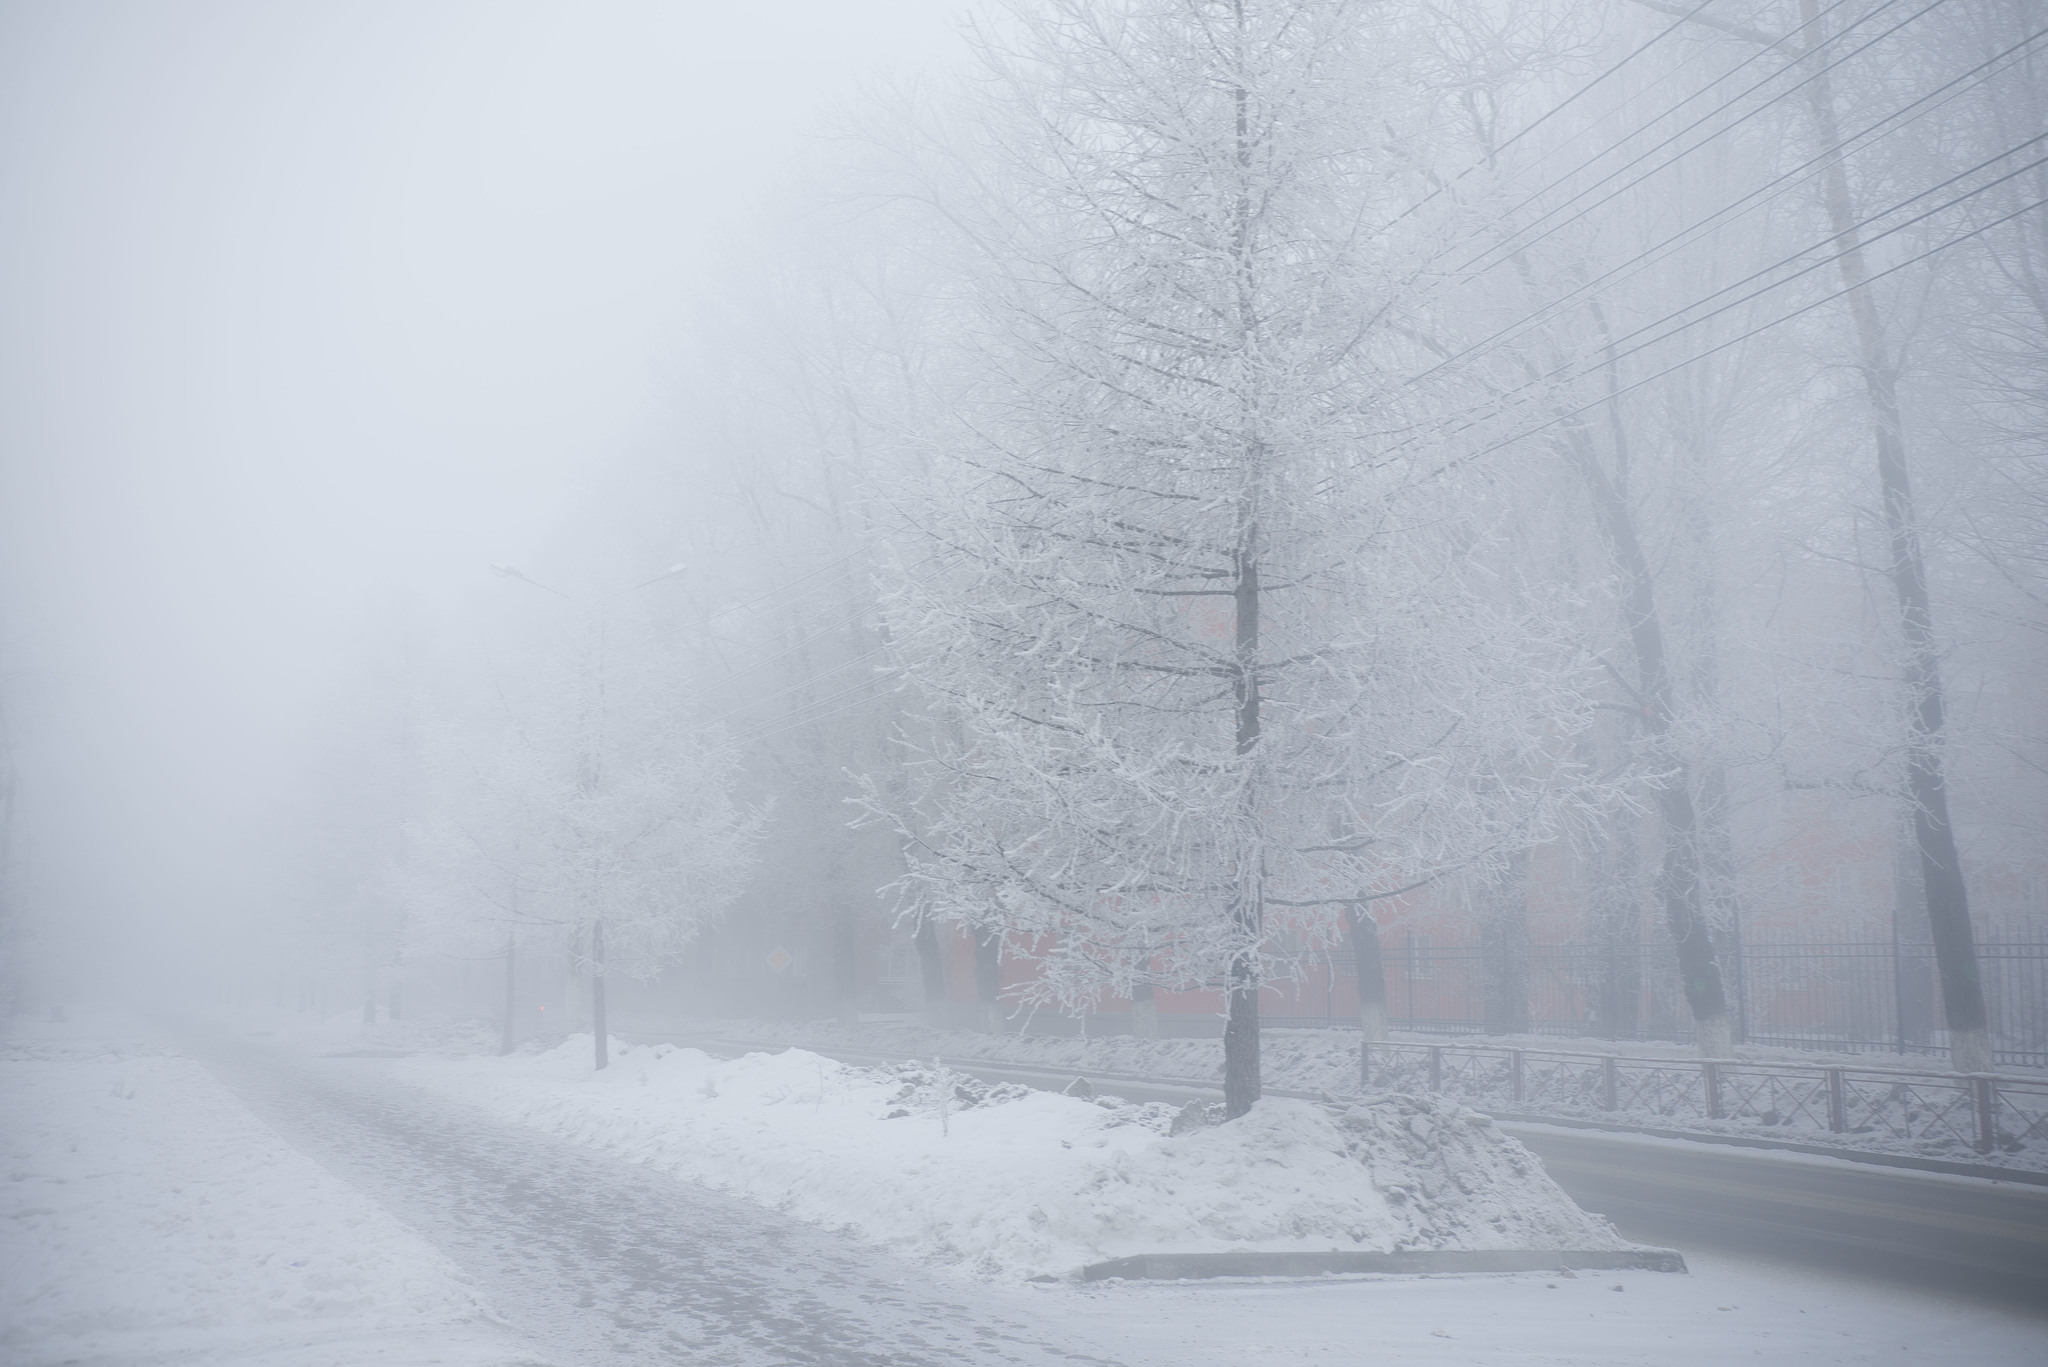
(1762,327)
(1549,114)
(1606,356)
(1534,316)
(1606,349)
(1453,278)
(1719,132)
(1720,218)
(1639,130)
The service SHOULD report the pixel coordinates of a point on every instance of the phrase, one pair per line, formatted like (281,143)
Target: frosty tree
(592,813)
(1215,633)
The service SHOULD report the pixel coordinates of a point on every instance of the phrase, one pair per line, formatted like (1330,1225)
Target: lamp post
(589,780)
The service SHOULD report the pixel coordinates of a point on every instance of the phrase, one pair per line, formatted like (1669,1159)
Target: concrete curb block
(1255,1263)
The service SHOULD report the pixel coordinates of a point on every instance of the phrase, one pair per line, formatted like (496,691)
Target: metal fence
(1935,1114)
(1847,997)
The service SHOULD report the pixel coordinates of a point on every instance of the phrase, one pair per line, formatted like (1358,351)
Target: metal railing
(1898,1110)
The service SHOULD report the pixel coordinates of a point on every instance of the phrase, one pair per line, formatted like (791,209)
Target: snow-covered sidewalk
(150,1219)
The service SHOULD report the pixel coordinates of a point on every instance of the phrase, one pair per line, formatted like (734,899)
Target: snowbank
(1325,1062)
(1012,1182)
(150,1218)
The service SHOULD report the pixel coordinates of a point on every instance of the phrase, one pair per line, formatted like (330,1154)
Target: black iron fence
(1891,1109)
(1847,997)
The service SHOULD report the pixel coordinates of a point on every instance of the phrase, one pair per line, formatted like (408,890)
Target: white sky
(305,308)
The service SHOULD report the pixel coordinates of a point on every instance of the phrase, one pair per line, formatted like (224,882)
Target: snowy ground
(149,1218)
(157,1203)
(1025,1183)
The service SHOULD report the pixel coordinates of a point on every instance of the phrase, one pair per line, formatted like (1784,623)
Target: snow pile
(129,1239)
(1013,1182)
(1325,1062)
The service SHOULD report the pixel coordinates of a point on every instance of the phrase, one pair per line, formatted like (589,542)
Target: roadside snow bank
(1012,1182)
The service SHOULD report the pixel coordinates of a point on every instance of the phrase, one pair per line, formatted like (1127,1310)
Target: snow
(1325,1062)
(151,1219)
(1016,1183)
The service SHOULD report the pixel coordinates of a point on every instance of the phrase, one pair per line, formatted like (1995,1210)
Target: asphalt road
(1958,1234)
(1967,1236)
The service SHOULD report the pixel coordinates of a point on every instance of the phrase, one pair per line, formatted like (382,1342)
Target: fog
(1153,608)
(313,312)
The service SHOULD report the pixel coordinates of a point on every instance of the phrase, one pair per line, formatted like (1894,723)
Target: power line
(1639,130)
(1571,370)
(1549,114)
(1719,132)
(1833,237)
(1563,370)
(1761,327)
(1503,217)
(1780,184)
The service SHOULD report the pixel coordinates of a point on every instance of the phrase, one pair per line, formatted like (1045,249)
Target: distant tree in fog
(585,811)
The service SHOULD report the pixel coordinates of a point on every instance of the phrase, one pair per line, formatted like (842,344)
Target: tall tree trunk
(506,1030)
(1679,882)
(1504,948)
(931,967)
(1718,899)
(369,982)
(598,1027)
(1702,619)
(1241,1075)
(988,978)
(1948,905)
(1371,973)
(1617,924)
(1912,968)
(845,965)
(1241,1081)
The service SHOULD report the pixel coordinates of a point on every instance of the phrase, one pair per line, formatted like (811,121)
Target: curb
(1254,1263)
